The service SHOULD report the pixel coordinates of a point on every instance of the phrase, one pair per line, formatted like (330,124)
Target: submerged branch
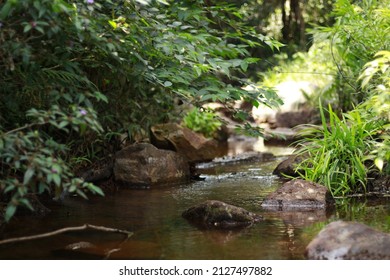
(63,230)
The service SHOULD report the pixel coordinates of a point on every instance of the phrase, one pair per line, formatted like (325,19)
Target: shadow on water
(154,215)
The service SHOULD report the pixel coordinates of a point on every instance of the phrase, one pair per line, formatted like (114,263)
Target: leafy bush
(376,80)
(203,121)
(359,32)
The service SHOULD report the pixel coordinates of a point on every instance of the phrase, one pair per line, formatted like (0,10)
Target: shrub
(203,121)
(359,32)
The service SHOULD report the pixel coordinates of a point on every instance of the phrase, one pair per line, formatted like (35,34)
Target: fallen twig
(63,230)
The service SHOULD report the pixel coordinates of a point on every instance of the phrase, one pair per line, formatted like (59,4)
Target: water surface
(154,216)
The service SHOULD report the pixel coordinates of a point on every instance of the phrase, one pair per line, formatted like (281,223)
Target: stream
(154,216)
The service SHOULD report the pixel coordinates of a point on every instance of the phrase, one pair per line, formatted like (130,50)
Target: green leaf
(244,65)
(81,193)
(28,175)
(5,10)
(72,188)
(40,29)
(26,203)
(57,179)
(10,212)
(100,96)
(95,189)
(63,124)
(42,187)
(9,188)
(27,28)
(113,24)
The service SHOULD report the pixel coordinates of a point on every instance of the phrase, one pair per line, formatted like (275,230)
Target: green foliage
(76,74)
(360,31)
(376,79)
(336,152)
(344,150)
(33,162)
(203,121)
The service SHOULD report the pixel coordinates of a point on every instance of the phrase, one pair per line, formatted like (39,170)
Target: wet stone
(299,195)
(288,166)
(144,165)
(219,215)
(349,241)
(191,145)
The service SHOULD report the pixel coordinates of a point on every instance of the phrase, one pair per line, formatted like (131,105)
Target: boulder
(219,215)
(144,165)
(193,146)
(293,118)
(288,166)
(299,195)
(349,241)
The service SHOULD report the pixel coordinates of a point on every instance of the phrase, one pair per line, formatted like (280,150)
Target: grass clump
(337,152)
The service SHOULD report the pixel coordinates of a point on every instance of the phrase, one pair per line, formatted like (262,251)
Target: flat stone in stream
(299,195)
(219,215)
(349,241)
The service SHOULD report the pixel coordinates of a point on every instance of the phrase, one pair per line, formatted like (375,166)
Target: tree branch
(63,230)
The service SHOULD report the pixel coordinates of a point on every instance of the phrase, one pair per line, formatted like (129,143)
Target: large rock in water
(219,215)
(349,241)
(145,165)
(300,195)
(194,146)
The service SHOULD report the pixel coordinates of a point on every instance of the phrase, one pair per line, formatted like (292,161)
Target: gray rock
(300,195)
(193,146)
(144,165)
(294,118)
(349,241)
(220,215)
(288,166)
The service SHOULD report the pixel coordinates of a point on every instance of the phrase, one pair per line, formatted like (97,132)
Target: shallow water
(154,216)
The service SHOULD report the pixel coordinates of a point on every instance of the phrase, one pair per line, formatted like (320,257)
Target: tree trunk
(293,30)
